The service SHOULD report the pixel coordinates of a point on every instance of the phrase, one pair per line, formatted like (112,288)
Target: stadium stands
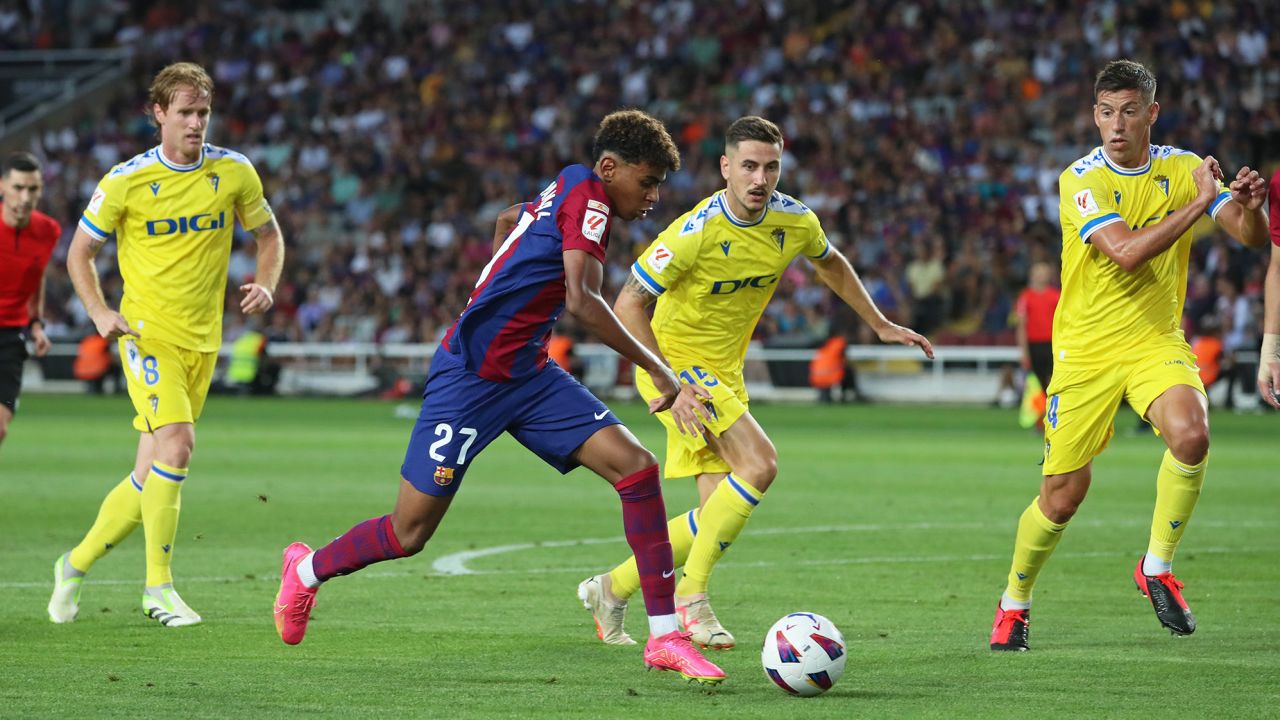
(923,133)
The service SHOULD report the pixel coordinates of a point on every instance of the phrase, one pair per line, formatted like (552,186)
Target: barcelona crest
(444,475)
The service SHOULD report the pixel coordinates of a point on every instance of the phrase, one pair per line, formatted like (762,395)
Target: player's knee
(174,444)
(1061,498)
(1061,507)
(176,455)
(1190,444)
(638,458)
(412,536)
(4,430)
(761,473)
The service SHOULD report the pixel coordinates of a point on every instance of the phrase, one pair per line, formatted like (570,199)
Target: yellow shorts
(1081,410)
(688,454)
(167,384)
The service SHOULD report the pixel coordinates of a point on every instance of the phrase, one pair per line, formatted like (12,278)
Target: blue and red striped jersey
(502,334)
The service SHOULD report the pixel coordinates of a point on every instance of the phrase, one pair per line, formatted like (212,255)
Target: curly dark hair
(752,127)
(636,137)
(1126,75)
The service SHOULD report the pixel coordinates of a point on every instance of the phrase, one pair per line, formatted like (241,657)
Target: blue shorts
(550,413)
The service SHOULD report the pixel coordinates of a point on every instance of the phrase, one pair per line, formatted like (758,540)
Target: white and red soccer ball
(804,654)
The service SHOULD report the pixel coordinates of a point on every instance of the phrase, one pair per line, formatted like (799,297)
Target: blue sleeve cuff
(92,229)
(646,279)
(1093,225)
(1218,203)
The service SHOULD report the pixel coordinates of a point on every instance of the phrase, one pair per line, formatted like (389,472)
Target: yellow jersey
(174,226)
(714,274)
(1105,311)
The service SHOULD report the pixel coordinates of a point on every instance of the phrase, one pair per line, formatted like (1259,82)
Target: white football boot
(609,614)
(64,604)
(164,605)
(697,619)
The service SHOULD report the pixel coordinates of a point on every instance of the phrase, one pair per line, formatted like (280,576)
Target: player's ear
(607,167)
(724,166)
(1154,110)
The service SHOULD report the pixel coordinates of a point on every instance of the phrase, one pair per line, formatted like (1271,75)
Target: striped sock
(120,513)
(161,504)
(372,541)
(722,519)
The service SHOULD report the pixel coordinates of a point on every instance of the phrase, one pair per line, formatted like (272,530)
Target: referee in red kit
(27,239)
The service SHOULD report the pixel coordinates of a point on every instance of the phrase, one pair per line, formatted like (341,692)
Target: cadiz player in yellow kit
(1127,209)
(173,210)
(712,272)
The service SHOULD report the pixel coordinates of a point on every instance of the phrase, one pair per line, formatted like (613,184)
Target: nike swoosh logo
(668,573)
(281,608)
(600,415)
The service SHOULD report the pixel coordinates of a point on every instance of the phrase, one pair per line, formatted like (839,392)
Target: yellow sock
(1037,537)
(161,501)
(1177,492)
(720,521)
(625,579)
(120,513)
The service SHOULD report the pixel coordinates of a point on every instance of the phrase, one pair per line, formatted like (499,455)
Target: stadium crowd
(927,135)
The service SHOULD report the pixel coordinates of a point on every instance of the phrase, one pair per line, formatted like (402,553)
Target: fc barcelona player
(1127,209)
(491,375)
(172,210)
(712,272)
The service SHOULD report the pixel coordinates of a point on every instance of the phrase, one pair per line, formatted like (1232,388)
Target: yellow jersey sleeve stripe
(92,229)
(646,279)
(826,250)
(1218,204)
(1097,223)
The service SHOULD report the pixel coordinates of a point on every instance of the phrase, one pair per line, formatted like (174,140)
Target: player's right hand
(111,324)
(1269,384)
(684,401)
(1207,176)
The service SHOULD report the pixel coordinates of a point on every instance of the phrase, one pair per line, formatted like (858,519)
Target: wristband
(31,325)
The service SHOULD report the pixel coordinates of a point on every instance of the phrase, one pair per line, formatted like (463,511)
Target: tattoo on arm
(638,289)
(95,245)
(266,229)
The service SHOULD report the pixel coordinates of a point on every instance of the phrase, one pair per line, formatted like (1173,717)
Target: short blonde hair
(173,78)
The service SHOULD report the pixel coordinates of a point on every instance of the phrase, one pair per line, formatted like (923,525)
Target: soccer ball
(803,654)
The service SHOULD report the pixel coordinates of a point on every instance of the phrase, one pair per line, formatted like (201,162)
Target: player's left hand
(1249,188)
(893,333)
(41,340)
(256,299)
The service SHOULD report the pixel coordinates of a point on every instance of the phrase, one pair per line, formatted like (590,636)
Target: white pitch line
(877,560)
(456,563)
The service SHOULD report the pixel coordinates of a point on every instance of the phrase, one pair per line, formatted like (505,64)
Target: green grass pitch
(895,522)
